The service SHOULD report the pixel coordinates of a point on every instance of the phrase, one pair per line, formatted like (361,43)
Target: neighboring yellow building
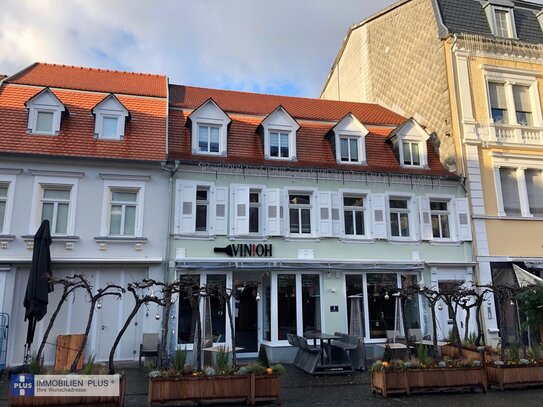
(472,72)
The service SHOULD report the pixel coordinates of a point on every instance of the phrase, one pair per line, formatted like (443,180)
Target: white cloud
(256,45)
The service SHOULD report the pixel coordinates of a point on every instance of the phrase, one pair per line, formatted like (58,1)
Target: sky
(268,46)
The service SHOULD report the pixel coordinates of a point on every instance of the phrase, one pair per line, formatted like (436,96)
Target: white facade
(86,240)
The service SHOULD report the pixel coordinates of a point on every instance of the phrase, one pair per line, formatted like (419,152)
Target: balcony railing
(501,133)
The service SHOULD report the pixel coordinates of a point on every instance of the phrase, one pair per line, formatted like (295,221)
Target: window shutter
(325,214)
(425,218)
(241,211)
(462,214)
(187,208)
(379,223)
(274,212)
(219,219)
(336,218)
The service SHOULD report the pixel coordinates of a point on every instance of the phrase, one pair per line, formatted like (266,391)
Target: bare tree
(141,297)
(452,295)
(69,285)
(109,289)
(432,297)
(480,293)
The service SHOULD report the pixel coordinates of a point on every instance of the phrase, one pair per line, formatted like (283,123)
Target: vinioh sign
(246,250)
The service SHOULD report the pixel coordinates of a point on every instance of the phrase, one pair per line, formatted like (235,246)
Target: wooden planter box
(514,376)
(71,401)
(186,388)
(425,380)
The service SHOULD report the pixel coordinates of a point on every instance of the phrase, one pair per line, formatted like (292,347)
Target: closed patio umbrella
(38,286)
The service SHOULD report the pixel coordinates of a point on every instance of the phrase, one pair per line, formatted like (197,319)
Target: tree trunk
(466,324)
(434,329)
(73,368)
(503,328)
(165,330)
(405,328)
(456,331)
(120,335)
(480,333)
(65,295)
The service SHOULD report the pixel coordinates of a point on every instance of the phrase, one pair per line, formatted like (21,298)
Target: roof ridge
(100,69)
(280,96)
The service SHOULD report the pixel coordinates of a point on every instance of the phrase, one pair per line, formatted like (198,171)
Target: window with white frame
(503,23)
(209,129)
(440,217)
(279,144)
(255,210)
(510,191)
(279,130)
(353,215)
(399,217)
(498,103)
(123,207)
(3,205)
(348,147)
(291,305)
(44,113)
(300,205)
(534,186)
(202,209)
(55,207)
(208,138)
(411,153)
(513,99)
(523,106)
(110,118)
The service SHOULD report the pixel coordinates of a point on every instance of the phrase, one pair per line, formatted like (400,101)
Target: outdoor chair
(149,346)
(395,336)
(293,341)
(310,356)
(415,335)
(354,347)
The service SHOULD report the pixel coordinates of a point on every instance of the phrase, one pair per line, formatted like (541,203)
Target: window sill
(120,239)
(294,238)
(193,237)
(57,238)
(356,240)
(7,238)
(403,241)
(210,154)
(37,133)
(445,243)
(250,238)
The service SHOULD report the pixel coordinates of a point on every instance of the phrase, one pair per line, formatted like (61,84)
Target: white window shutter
(336,218)
(462,215)
(425,218)
(187,208)
(274,211)
(241,210)
(378,210)
(220,210)
(325,214)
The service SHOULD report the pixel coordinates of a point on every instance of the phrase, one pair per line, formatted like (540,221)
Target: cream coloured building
(471,72)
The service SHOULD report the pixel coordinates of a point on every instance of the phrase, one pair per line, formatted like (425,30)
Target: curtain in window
(522,98)
(534,185)
(497,96)
(511,201)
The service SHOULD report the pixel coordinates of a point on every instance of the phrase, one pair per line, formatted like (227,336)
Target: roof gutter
(442,28)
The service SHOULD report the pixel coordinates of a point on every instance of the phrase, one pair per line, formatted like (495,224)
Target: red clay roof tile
(91,79)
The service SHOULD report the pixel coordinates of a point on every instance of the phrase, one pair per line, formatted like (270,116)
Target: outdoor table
(323,337)
(394,347)
(427,342)
(216,349)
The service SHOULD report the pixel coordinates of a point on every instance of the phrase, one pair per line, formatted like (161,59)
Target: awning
(534,265)
(525,278)
(298,265)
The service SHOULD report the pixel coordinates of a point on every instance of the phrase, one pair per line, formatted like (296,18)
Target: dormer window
(409,144)
(349,141)
(280,135)
(500,18)
(411,153)
(44,113)
(209,128)
(111,116)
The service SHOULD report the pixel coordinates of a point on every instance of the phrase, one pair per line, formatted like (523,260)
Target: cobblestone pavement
(300,389)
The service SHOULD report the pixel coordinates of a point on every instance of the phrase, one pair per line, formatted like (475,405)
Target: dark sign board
(246,250)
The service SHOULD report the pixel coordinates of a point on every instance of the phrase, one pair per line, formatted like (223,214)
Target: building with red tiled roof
(82,149)
(316,210)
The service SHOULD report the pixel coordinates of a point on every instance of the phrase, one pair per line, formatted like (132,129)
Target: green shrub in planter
(263,357)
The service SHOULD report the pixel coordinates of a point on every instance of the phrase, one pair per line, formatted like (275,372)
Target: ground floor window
(372,309)
(212,310)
